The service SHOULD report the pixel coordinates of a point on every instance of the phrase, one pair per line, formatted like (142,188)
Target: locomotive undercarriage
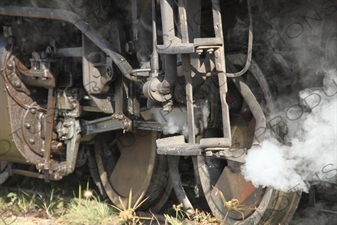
(130,88)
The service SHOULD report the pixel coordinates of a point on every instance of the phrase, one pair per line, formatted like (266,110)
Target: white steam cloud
(175,121)
(312,156)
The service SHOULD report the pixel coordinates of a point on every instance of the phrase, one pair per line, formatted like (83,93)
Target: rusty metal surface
(32,130)
(10,134)
(37,78)
(13,77)
(234,186)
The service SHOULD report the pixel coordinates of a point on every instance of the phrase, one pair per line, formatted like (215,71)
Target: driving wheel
(229,196)
(128,162)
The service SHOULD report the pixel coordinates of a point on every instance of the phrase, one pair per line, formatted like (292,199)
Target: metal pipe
(77,21)
(254,106)
(155,56)
(168,35)
(167,21)
(250,45)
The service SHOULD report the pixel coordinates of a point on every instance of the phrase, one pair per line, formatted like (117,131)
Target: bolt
(17,84)
(33,111)
(221,153)
(10,65)
(31,141)
(199,51)
(210,51)
(209,153)
(27,125)
(96,73)
(129,48)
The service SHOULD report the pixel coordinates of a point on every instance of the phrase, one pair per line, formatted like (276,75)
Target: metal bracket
(94,81)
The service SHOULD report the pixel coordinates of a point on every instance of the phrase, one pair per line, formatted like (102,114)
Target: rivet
(31,141)
(17,84)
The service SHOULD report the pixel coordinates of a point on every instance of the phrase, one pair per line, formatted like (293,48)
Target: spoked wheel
(128,162)
(243,203)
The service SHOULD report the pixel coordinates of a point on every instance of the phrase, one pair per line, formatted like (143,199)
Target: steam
(312,156)
(175,121)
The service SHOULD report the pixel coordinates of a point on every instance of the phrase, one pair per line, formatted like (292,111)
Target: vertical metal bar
(225,110)
(220,66)
(155,57)
(167,19)
(186,61)
(183,21)
(216,10)
(168,35)
(193,15)
(134,20)
(49,127)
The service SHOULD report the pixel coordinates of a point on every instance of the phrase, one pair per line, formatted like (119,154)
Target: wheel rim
(130,163)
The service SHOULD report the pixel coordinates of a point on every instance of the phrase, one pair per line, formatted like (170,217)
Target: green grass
(88,211)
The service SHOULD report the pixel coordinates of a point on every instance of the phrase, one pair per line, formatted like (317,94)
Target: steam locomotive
(134,87)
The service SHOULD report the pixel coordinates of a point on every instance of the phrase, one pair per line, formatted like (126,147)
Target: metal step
(218,147)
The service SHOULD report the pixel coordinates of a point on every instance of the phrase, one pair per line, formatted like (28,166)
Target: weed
(21,202)
(127,215)
(52,206)
(181,217)
(232,205)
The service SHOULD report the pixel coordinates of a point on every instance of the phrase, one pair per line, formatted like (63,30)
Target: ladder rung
(208,41)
